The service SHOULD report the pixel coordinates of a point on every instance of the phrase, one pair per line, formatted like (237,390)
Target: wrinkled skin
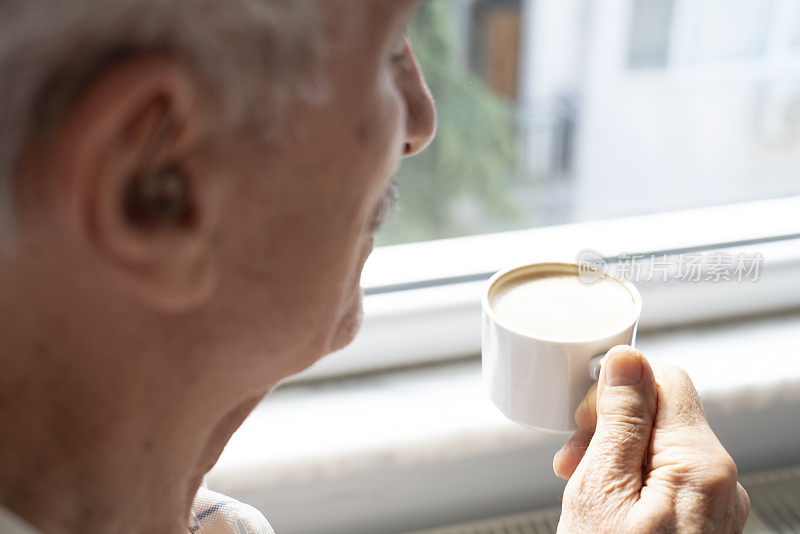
(132,352)
(645,460)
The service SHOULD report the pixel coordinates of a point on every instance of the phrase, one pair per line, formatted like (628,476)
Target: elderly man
(189,191)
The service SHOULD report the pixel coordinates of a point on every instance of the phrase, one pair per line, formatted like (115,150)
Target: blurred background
(556,112)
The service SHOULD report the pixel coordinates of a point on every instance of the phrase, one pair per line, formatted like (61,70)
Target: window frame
(422,300)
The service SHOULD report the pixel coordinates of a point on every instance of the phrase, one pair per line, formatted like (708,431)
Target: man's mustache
(384,207)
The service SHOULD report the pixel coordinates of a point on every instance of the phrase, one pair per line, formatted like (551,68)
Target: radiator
(774,496)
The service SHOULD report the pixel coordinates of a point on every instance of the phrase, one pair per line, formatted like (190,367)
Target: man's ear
(132,190)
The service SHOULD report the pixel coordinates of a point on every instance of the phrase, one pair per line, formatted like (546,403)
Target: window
(559,112)
(649,30)
(566,126)
(730,29)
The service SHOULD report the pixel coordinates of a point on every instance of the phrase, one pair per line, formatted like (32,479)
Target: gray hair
(50,50)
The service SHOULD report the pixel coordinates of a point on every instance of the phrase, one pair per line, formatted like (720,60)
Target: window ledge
(396,422)
(423,300)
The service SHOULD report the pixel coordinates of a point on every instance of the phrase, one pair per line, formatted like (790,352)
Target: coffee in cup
(544,326)
(554,303)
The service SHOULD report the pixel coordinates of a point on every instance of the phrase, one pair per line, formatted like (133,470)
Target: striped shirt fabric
(213,513)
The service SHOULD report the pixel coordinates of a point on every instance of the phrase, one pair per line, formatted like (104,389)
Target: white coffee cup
(539,382)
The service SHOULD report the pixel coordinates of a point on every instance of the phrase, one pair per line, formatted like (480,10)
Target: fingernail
(623,369)
(555,463)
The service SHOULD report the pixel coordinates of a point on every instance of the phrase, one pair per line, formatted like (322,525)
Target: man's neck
(113,471)
(109,416)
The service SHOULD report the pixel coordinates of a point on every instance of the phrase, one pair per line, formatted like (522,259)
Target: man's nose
(421,119)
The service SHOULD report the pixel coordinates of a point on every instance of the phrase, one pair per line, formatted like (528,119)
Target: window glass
(650,26)
(555,112)
(794,20)
(730,29)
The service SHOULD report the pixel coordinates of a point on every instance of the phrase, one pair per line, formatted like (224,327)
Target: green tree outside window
(461,184)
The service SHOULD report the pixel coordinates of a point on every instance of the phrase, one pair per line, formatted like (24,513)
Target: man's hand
(644,459)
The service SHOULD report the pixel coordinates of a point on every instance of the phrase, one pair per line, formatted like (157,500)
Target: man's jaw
(350,321)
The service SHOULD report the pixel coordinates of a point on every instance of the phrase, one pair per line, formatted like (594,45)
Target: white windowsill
(403,448)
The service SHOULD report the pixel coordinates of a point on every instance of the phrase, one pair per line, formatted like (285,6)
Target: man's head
(192,189)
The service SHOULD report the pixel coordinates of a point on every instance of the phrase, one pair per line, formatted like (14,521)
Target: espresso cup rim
(489,310)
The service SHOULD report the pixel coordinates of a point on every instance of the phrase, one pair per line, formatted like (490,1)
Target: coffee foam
(551,302)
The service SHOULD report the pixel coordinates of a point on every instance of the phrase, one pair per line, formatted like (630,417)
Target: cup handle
(594,366)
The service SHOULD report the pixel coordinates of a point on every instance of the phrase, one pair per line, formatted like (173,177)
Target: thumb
(626,408)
